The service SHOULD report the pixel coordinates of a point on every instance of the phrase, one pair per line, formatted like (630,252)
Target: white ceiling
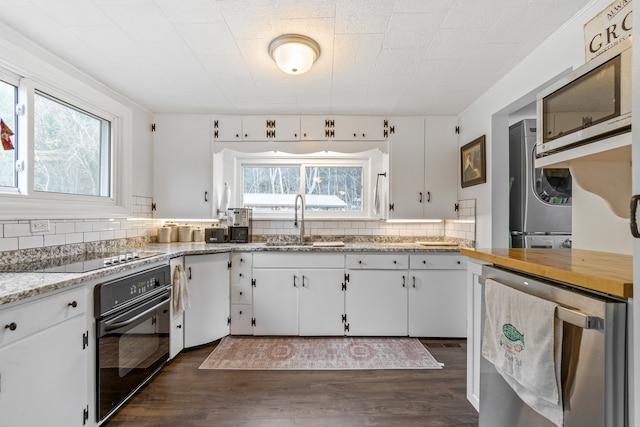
(210,56)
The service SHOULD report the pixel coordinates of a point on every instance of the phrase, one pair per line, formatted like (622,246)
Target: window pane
(270,188)
(331,188)
(71,149)
(8,99)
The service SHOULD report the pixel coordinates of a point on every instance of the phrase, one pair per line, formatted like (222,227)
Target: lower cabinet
(176,322)
(376,303)
(207,319)
(44,362)
(275,302)
(241,293)
(376,296)
(437,296)
(321,302)
(306,300)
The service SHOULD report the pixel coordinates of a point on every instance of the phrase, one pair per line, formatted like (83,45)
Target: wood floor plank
(183,395)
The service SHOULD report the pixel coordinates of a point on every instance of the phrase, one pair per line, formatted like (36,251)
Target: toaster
(214,235)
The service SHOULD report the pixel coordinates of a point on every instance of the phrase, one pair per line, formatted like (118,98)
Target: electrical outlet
(39,225)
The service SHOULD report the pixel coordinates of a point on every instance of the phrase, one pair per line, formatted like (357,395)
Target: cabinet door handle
(414,281)
(295,281)
(404,281)
(303,281)
(420,197)
(189,273)
(206,196)
(633,222)
(428,196)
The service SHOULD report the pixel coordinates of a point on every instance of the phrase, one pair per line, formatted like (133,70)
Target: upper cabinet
(226,128)
(182,165)
(423,180)
(300,128)
(271,128)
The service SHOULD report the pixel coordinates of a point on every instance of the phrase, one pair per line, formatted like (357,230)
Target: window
(8,100)
(71,149)
(328,188)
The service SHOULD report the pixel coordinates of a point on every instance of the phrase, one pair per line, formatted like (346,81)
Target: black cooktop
(80,263)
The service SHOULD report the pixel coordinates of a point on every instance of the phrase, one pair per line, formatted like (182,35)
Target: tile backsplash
(16,235)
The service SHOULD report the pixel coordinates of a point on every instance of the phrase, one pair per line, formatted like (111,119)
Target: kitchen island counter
(604,272)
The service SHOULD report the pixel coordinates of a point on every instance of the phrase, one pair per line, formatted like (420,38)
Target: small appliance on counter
(239,222)
(214,235)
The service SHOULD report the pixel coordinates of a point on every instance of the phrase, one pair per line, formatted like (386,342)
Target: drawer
(31,317)
(438,262)
(377,261)
(241,264)
(241,320)
(297,260)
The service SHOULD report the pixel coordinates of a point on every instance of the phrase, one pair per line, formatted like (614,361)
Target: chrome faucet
(295,220)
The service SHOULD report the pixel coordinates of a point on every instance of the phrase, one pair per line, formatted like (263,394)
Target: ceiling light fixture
(294,53)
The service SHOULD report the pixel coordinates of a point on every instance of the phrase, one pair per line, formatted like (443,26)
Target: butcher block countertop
(598,271)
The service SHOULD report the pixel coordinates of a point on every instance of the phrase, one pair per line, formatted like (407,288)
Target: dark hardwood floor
(183,395)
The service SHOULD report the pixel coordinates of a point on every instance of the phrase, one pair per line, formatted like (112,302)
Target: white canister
(185,233)
(198,234)
(164,234)
(174,231)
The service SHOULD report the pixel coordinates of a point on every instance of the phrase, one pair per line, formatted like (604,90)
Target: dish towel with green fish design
(523,339)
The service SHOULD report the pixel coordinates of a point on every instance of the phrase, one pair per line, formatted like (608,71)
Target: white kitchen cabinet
(366,128)
(271,128)
(44,353)
(176,320)
(304,300)
(226,128)
(182,165)
(275,301)
(423,173)
(207,319)
(241,293)
(315,128)
(376,294)
(437,296)
(474,329)
(321,302)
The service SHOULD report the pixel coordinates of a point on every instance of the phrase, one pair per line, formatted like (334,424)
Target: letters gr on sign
(608,28)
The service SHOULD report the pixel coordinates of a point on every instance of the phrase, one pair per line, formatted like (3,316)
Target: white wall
(490,115)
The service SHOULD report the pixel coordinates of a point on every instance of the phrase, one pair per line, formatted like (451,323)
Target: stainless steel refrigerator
(539,199)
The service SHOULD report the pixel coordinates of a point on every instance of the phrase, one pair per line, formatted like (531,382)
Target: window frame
(25,202)
(302,160)
(13,79)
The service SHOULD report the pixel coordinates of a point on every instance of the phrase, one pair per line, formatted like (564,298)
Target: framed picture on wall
(473,163)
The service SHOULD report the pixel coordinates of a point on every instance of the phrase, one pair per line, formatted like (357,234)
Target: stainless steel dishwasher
(593,367)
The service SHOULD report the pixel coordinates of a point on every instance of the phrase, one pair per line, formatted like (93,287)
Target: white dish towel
(180,291)
(523,339)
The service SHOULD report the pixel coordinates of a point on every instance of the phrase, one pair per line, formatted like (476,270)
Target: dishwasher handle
(570,315)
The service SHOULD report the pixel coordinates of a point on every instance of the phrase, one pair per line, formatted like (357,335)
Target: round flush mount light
(294,53)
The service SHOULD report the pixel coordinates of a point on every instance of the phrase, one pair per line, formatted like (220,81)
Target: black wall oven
(132,335)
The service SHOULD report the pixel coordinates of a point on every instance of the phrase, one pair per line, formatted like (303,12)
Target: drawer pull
(179,326)
(359,262)
(11,326)
(395,262)
(241,293)
(73,304)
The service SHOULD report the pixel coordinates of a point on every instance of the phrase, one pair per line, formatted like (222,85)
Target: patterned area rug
(319,353)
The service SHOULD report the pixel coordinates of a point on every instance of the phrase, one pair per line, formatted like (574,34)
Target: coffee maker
(239,225)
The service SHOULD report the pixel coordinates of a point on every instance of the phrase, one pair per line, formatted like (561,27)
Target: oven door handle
(111,325)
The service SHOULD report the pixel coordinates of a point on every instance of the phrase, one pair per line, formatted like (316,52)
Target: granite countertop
(15,287)
(592,270)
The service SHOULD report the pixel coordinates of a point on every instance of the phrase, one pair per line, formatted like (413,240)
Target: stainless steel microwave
(591,103)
